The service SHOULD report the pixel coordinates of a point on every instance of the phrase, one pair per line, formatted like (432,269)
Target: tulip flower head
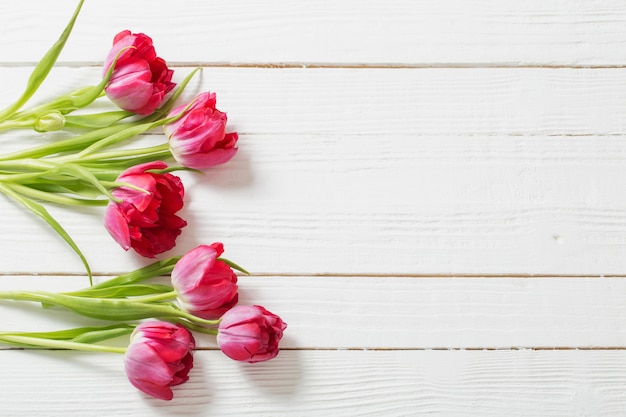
(198,139)
(159,357)
(140,79)
(250,334)
(145,219)
(205,286)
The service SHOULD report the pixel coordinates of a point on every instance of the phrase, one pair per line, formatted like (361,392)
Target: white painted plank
(424,101)
(426,161)
(424,32)
(380,204)
(329,383)
(405,313)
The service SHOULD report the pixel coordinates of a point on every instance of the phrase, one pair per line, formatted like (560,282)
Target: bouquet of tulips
(89,168)
(86,166)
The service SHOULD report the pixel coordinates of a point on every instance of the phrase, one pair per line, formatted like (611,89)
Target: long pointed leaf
(42,69)
(80,334)
(41,211)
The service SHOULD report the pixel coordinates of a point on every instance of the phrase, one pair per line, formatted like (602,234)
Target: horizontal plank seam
(343,275)
(403,349)
(428,135)
(340,65)
(445,275)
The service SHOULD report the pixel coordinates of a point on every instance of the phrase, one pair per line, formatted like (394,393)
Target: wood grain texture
(383,205)
(405,101)
(400,313)
(447,174)
(388,151)
(372,32)
(329,383)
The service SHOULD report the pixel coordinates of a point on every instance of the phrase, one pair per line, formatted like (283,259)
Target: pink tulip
(146,220)
(198,139)
(205,286)
(250,333)
(159,357)
(140,80)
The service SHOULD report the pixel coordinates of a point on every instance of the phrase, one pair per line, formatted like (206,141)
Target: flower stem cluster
(92,162)
(161,317)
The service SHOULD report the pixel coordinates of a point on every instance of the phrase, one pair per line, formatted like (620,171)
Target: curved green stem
(27,164)
(130,132)
(198,320)
(75,143)
(197,328)
(113,309)
(156,297)
(103,156)
(17,124)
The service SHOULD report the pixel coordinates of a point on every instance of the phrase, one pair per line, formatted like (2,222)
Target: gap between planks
(338,65)
(343,275)
(469,349)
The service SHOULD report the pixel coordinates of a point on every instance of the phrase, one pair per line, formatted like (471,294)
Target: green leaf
(155,269)
(104,333)
(42,69)
(122,291)
(76,99)
(40,211)
(233,265)
(80,334)
(84,174)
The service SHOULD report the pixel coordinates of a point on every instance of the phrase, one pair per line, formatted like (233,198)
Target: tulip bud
(198,139)
(141,79)
(205,286)
(50,122)
(159,357)
(250,334)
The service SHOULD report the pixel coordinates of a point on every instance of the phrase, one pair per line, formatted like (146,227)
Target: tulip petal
(117,226)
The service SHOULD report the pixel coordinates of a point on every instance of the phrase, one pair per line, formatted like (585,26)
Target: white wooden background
(432,194)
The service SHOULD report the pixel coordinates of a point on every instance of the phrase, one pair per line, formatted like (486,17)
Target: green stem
(129,132)
(24,177)
(122,164)
(196,328)
(197,320)
(113,309)
(27,164)
(59,344)
(53,197)
(75,143)
(102,156)
(156,297)
(16,124)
